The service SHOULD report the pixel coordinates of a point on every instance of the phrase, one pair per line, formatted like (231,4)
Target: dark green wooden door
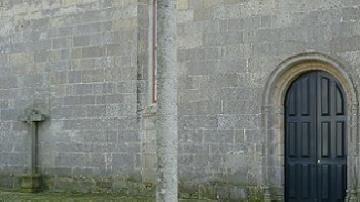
(315,139)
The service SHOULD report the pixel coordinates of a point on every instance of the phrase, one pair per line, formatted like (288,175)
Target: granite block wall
(87,65)
(76,61)
(228,50)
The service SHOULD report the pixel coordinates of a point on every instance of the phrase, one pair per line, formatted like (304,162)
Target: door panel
(340,139)
(332,138)
(325,139)
(315,149)
(305,139)
(301,140)
(325,181)
(325,97)
(305,96)
(306,185)
(339,101)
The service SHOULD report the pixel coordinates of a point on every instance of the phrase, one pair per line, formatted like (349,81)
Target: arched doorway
(315,139)
(273,119)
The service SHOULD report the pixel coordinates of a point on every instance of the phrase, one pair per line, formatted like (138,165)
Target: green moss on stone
(255,194)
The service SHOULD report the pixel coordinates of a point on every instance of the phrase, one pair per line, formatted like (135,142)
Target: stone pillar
(351,195)
(166,121)
(31,181)
(267,194)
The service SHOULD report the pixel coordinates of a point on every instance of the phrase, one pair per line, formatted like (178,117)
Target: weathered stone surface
(88,65)
(30,183)
(59,54)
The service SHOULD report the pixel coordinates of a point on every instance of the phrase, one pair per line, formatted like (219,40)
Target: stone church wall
(228,51)
(85,63)
(76,61)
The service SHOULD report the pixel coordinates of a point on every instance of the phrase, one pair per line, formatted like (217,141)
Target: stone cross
(31,181)
(33,117)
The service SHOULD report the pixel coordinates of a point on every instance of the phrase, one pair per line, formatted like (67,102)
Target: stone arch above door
(273,117)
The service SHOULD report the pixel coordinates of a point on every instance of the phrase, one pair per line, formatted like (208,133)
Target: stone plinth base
(30,183)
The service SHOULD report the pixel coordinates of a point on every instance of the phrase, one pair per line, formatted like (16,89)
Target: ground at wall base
(46,197)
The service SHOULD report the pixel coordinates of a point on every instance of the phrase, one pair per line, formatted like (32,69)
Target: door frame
(273,119)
